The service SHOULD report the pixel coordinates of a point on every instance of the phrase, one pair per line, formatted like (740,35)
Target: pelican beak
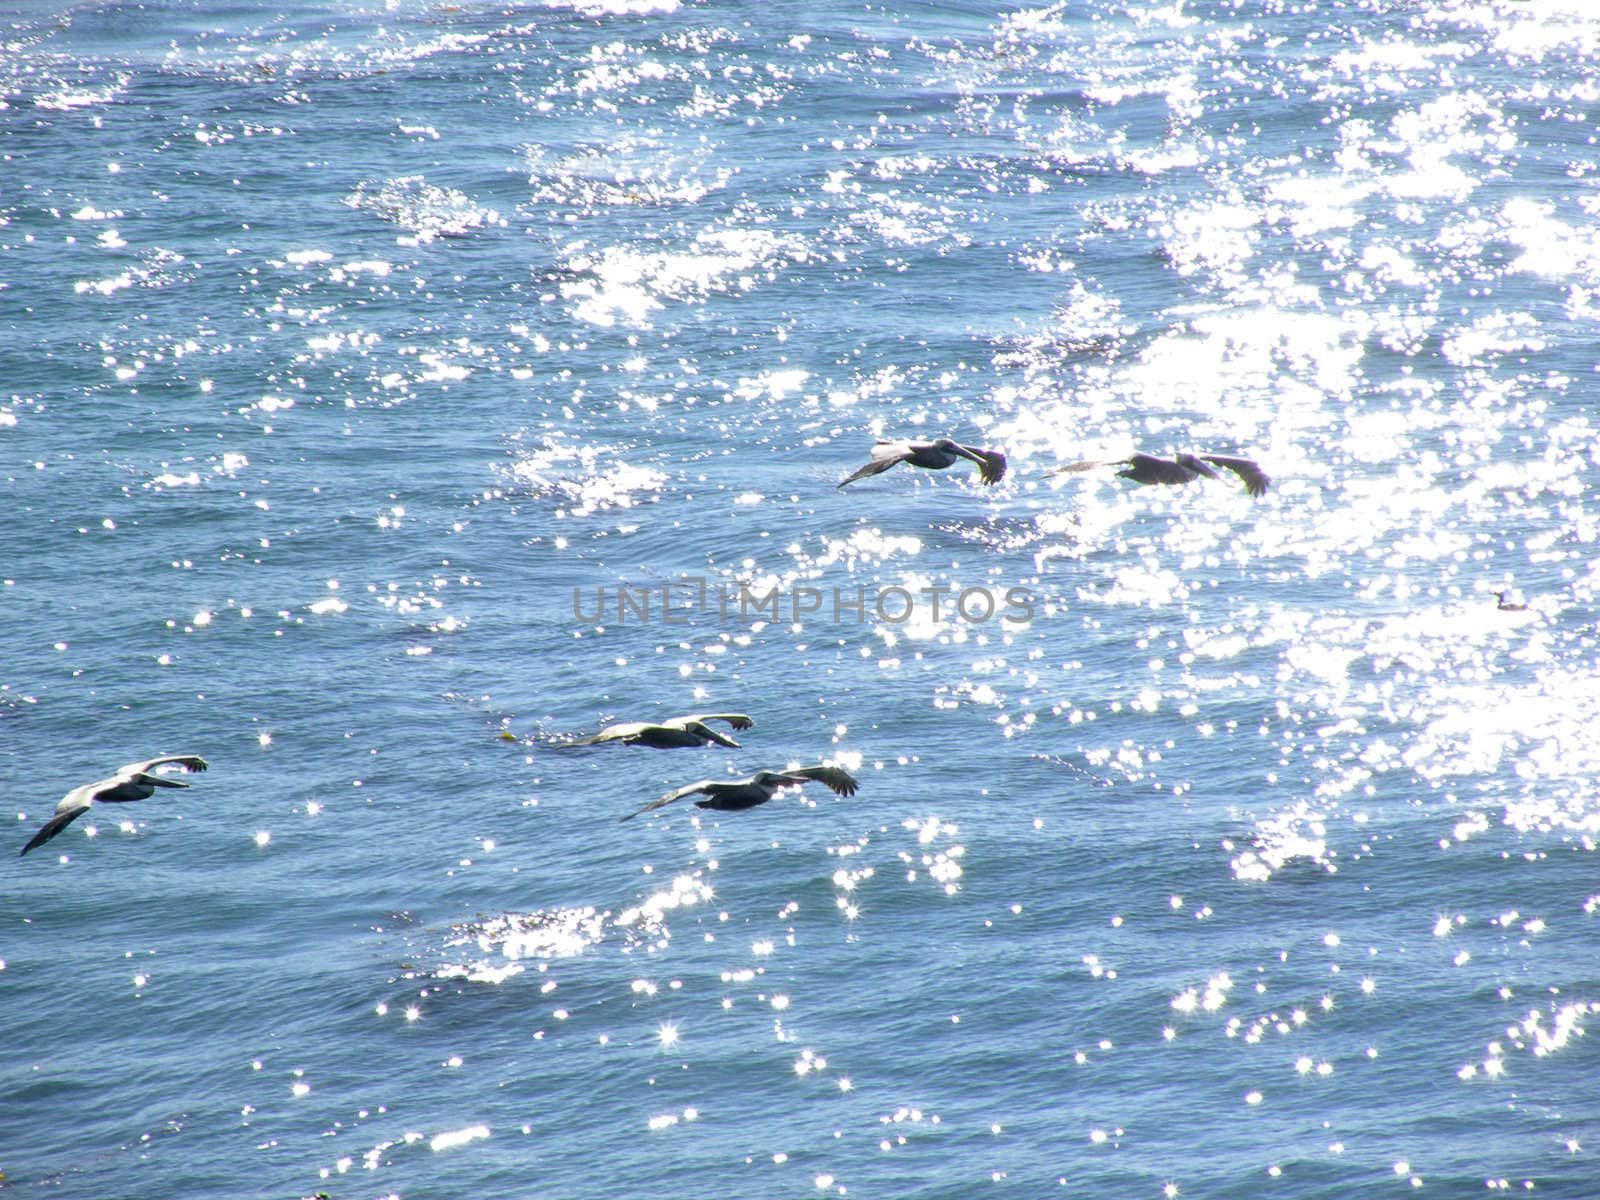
(991,463)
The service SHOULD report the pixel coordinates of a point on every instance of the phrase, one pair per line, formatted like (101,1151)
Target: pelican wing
(1088,464)
(737,720)
(884,456)
(189,762)
(838,780)
(1255,479)
(610,733)
(704,785)
(63,818)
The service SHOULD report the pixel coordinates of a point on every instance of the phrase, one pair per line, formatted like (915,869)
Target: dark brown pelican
(671,733)
(1180,468)
(935,456)
(732,795)
(132,782)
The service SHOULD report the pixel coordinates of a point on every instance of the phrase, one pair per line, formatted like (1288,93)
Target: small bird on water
(691,730)
(733,795)
(132,782)
(1180,468)
(1505,603)
(934,456)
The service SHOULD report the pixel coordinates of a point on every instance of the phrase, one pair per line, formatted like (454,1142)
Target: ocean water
(371,372)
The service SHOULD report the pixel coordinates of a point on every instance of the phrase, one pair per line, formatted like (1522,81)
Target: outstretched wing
(688,790)
(610,733)
(884,456)
(189,762)
(1255,479)
(737,720)
(55,825)
(837,779)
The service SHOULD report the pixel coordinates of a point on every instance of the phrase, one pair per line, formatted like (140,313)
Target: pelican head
(1193,463)
(777,779)
(960,451)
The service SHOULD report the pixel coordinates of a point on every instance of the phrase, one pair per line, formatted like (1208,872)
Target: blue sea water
(369,373)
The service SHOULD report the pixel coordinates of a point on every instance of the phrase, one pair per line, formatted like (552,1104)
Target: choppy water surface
(373,373)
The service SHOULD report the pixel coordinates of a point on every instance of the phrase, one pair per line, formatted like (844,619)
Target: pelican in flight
(935,456)
(732,795)
(676,731)
(1180,468)
(133,782)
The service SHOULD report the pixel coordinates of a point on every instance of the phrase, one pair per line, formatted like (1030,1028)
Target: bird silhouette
(1180,468)
(132,782)
(691,730)
(933,456)
(732,795)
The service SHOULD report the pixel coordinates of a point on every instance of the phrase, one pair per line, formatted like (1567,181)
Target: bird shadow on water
(1007,533)
(492,948)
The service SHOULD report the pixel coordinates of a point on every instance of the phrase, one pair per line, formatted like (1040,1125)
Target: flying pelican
(675,731)
(1180,468)
(132,782)
(732,795)
(935,456)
